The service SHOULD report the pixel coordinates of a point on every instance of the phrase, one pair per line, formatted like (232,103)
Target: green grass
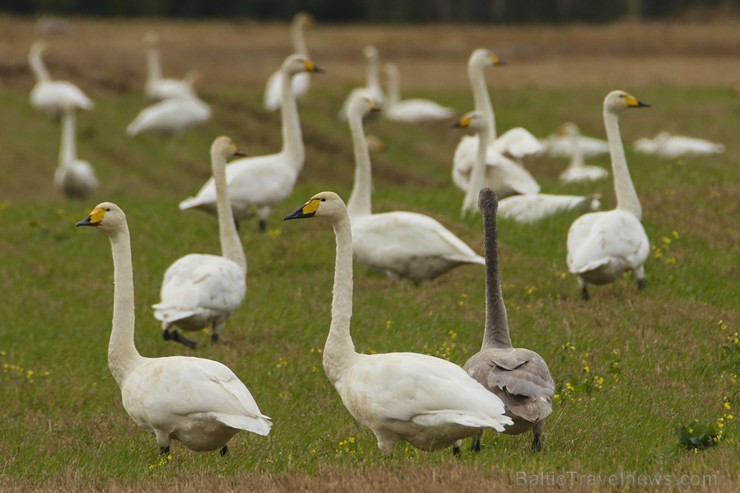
(662,355)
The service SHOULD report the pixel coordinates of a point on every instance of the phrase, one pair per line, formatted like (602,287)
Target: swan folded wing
(273,91)
(518,371)
(417,110)
(517,142)
(504,172)
(409,386)
(197,388)
(55,93)
(530,208)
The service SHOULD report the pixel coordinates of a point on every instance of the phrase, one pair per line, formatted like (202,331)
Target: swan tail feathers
(466,259)
(259,424)
(589,266)
(189,203)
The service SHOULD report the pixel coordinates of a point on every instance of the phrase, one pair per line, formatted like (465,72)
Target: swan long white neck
(37,64)
(624,189)
(577,156)
(231,245)
(339,350)
(371,76)
(68,146)
(122,353)
(291,125)
(496,333)
(153,65)
(298,37)
(394,89)
(360,202)
(478,173)
(481,98)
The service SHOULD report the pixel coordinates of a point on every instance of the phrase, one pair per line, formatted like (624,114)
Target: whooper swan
(518,376)
(204,290)
(371,89)
(74,177)
(401,244)
(504,172)
(49,95)
(428,402)
(410,110)
(174,116)
(158,88)
(301,82)
(668,146)
(603,245)
(197,401)
(578,171)
(522,208)
(560,143)
(263,181)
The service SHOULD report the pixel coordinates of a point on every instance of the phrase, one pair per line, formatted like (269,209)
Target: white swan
(410,110)
(560,143)
(174,116)
(428,402)
(49,95)
(577,171)
(523,208)
(371,89)
(73,177)
(204,290)
(668,146)
(196,401)
(401,244)
(603,245)
(504,173)
(263,181)
(518,376)
(158,88)
(301,82)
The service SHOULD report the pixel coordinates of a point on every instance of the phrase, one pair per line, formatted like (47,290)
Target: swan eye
(323,199)
(107,209)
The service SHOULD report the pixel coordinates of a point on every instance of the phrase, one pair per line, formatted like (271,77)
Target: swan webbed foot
(164,450)
(475,445)
(263,226)
(174,335)
(224,451)
(641,283)
(584,293)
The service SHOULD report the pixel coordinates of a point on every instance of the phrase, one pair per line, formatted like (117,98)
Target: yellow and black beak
(306,210)
(497,61)
(463,122)
(93,219)
(314,68)
(633,102)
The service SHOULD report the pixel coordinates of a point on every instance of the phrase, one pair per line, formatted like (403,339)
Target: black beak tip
(240,153)
(319,70)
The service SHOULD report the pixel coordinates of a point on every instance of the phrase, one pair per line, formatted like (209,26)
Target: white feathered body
(417,110)
(200,289)
(171,115)
(426,401)
(603,245)
(668,146)
(299,84)
(562,146)
(575,174)
(532,208)
(408,245)
(76,180)
(255,182)
(51,95)
(161,89)
(197,401)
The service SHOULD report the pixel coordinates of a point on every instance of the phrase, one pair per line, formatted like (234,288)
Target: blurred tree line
(411,11)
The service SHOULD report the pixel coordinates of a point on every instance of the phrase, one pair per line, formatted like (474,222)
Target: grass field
(630,367)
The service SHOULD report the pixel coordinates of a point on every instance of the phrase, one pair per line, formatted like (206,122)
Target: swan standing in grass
(560,144)
(504,172)
(301,82)
(74,177)
(371,89)
(410,110)
(603,245)
(518,376)
(204,290)
(174,116)
(523,208)
(429,402)
(401,244)
(578,171)
(668,146)
(263,181)
(196,401)
(158,88)
(50,95)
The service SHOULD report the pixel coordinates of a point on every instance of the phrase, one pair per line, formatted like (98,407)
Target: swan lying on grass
(668,146)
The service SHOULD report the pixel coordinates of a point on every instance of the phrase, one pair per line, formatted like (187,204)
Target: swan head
(391,70)
(360,105)
(618,101)
(370,53)
(569,129)
(304,19)
(487,202)
(225,148)
(106,216)
(482,58)
(151,38)
(325,205)
(473,120)
(297,63)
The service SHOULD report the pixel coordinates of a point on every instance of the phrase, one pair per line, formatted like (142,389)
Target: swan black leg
(224,451)
(641,284)
(584,293)
(456,451)
(263,226)
(536,444)
(475,444)
(214,337)
(174,335)
(164,450)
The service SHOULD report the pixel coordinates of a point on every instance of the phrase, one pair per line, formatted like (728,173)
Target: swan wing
(170,89)
(170,115)
(519,371)
(418,110)
(531,208)
(517,142)
(50,95)
(272,99)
